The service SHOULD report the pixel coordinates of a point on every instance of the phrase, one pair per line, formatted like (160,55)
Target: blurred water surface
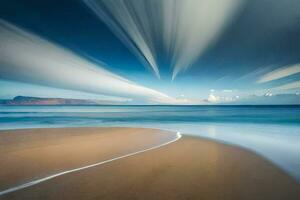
(271,131)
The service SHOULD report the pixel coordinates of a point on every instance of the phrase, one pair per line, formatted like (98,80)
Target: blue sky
(250,41)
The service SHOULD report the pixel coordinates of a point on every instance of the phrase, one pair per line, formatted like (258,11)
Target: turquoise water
(271,131)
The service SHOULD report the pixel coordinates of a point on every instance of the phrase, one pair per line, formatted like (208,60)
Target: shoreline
(38,145)
(40,180)
(205,153)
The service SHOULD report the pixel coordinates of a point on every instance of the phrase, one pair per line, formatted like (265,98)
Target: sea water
(271,131)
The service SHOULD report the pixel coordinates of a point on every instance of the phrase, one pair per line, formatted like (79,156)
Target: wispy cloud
(280,73)
(288,86)
(129,21)
(11,89)
(28,58)
(184,27)
(227,91)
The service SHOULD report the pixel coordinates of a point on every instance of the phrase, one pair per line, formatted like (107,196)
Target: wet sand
(191,168)
(26,155)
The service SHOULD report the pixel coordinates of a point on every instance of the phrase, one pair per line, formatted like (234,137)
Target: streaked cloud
(11,89)
(288,86)
(129,21)
(26,57)
(280,73)
(227,91)
(184,27)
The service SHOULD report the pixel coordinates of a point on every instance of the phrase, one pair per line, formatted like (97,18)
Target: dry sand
(190,168)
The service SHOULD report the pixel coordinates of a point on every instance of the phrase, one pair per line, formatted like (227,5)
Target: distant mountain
(24,100)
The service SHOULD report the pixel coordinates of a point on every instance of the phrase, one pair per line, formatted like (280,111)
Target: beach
(189,168)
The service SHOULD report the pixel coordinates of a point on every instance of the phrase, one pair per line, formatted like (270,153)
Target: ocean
(270,131)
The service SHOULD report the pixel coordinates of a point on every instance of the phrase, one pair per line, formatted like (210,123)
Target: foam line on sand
(35,182)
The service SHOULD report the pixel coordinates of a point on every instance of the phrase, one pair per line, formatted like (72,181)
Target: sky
(152,52)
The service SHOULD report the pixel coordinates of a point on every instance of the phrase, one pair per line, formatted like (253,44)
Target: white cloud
(26,89)
(213,99)
(280,73)
(288,86)
(26,57)
(227,91)
(185,27)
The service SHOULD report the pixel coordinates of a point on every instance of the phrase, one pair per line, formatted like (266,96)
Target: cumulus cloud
(213,99)
(184,27)
(26,57)
(216,99)
(280,73)
(269,99)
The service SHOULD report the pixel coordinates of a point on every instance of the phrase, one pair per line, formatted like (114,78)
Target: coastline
(189,168)
(29,154)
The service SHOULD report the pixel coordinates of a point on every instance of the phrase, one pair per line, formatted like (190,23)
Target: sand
(36,153)
(191,168)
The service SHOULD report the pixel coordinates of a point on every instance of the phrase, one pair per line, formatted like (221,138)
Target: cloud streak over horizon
(280,73)
(288,86)
(26,57)
(185,28)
